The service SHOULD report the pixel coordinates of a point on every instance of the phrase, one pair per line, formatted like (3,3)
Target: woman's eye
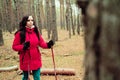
(29,20)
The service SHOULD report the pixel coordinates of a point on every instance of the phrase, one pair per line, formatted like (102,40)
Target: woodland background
(100,34)
(48,14)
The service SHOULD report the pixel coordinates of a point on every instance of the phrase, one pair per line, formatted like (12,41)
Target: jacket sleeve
(42,43)
(16,43)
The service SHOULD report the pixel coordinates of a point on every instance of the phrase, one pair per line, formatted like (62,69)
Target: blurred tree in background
(102,39)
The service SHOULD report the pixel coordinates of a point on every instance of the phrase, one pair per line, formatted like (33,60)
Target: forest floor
(69,53)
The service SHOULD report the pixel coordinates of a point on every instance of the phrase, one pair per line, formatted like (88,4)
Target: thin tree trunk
(20,9)
(16,13)
(48,18)
(78,24)
(54,26)
(5,22)
(42,15)
(68,17)
(29,6)
(62,13)
(9,14)
(1,35)
(71,18)
(1,38)
(38,16)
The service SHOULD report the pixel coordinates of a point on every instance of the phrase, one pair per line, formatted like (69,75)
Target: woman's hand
(26,45)
(50,43)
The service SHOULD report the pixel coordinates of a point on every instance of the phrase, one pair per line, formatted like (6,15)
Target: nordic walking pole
(54,62)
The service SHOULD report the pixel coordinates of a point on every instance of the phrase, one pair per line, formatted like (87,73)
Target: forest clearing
(69,53)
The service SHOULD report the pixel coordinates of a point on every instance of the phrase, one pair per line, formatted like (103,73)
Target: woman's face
(29,22)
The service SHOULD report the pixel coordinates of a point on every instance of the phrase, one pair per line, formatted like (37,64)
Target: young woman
(26,42)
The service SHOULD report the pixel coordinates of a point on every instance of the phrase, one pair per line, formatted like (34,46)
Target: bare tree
(9,15)
(54,26)
(42,15)
(71,19)
(48,17)
(39,23)
(62,16)
(78,24)
(68,17)
(1,35)
(16,20)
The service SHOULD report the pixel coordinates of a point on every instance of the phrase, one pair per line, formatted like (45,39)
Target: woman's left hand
(50,43)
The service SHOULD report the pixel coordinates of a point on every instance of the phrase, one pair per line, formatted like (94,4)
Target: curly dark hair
(22,29)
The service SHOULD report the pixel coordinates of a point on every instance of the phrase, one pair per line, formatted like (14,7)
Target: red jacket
(31,58)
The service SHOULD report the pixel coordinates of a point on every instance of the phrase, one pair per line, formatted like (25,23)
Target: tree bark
(71,18)
(59,71)
(1,19)
(47,8)
(16,13)
(39,23)
(62,14)
(102,40)
(1,38)
(9,15)
(68,17)
(42,15)
(54,26)
(78,24)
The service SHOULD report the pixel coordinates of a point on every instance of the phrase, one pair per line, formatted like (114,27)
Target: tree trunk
(1,35)
(16,13)
(54,26)
(39,23)
(62,14)
(48,18)
(29,7)
(9,15)
(78,24)
(71,20)
(44,71)
(5,22)
(103,41)
(68,17)
(20,9)
(37,15)
(12,68)
(42,15)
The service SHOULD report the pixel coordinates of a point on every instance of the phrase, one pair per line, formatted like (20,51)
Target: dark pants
(36,74)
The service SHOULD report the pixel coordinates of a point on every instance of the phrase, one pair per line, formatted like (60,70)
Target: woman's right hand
(26,45)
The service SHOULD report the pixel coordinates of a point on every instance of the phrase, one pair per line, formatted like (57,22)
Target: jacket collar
(29,30)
